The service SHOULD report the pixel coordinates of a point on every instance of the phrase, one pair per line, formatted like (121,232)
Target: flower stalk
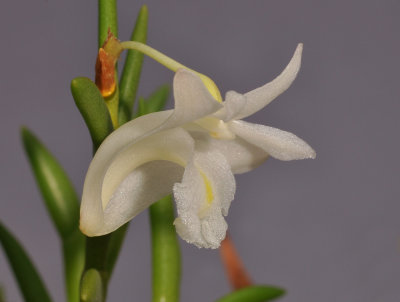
(165,252)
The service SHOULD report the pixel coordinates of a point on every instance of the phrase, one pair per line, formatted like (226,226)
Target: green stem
(115,245)
(165,252)
(107,19)
(74,255)
(97,248)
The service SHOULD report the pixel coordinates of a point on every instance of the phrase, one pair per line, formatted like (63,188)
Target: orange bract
(105,73)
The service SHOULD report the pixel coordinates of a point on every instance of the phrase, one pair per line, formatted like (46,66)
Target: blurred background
(326,229)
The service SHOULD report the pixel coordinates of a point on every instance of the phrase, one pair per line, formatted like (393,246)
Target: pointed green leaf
(62,204)
(91,287)
(94,111)
(165,252)
(54,184)
(257,293)
(132,68)
(107,19)
(28,279)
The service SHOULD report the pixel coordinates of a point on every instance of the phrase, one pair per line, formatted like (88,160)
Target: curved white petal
(241,155)
(262,96)
(279,144)
(143,186)
(203,198)
(107,202)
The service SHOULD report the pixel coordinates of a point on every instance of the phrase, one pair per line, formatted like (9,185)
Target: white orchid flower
(244,144)
(151,157)
(190,151)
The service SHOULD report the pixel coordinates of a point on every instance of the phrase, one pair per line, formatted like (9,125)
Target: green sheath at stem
(165,252)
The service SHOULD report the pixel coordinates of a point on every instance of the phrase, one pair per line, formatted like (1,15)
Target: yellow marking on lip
(209,191)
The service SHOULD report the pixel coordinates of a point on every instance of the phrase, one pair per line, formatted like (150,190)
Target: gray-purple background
(325,229)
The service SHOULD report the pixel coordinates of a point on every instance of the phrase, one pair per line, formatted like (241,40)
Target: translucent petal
(203,198)
(279,144)
(262,96)
(106,204)
(241,155)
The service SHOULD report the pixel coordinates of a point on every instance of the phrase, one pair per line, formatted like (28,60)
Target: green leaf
(107,19)
(257,293)
(62,204)
(165,252)
(155,102)
(91,287)
(91,105)
(28,279)
(56,188)
(2,294)
(133,65)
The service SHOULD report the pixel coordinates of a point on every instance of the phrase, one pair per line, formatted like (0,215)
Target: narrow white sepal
(279,144)
(262,96)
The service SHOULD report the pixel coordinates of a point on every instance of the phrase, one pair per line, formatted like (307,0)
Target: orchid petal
(192,99)
(241,155)
(142,187)
(233,105)
(203,198)
(262,96)
(279,144)
(107,201)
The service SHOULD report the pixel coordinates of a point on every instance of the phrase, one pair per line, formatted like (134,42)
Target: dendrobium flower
(246,145)
(143,161)
(191,151)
